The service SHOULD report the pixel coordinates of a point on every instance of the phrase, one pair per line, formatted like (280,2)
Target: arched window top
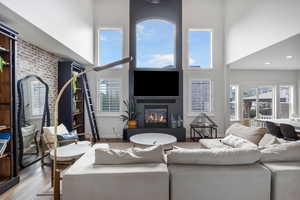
(155,44)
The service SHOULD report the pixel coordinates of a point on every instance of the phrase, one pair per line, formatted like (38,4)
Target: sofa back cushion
(110,156)
(237,142)
(285,152)
(251,134)
(213,156)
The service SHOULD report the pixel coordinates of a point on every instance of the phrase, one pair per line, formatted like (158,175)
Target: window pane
(200,49)
(155,45)
(109,95)
(233,103)
(265,103)
(201,96)
(249,103)
(110,46)
(285,102)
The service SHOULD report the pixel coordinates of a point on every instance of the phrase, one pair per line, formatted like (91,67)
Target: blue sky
(155,45)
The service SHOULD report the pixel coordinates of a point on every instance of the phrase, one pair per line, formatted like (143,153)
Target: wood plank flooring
(33,180)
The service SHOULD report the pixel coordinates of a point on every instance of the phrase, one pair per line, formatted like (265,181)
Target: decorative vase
(132,124)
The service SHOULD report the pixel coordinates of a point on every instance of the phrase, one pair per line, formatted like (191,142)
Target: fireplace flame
(154,117)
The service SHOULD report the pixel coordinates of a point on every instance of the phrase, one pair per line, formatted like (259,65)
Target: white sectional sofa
(207,182)
(84,180)
(285,180)
(208,170)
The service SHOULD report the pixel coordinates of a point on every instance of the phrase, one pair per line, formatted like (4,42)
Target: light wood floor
(33,180)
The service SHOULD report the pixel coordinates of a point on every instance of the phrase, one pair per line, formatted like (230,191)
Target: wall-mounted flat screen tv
(156,83)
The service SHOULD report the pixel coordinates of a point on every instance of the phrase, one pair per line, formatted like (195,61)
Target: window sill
(198,69)
(109,114)
(197,114)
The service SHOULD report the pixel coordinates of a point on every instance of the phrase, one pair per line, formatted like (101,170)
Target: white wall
(253,25)
(205,14)
(111,14)
(256,78)
(70,22)
(298,74)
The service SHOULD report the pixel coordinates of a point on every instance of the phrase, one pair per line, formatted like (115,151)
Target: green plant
(73,84)
(130,110)
(2,63)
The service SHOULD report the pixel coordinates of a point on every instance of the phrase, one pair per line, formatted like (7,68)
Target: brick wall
(34,60)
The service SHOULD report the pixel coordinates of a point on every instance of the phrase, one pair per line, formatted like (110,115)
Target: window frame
(98,98)
(291,100)
(193,112)
(99,45)
(211,67)
(274,100)
(236,102)
(175,64)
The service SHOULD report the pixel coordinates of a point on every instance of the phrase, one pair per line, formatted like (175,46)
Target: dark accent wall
(169,10)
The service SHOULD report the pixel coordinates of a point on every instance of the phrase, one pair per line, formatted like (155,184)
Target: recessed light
(289,57)
(267,63)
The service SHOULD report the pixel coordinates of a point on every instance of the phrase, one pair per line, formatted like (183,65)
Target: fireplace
(156,116)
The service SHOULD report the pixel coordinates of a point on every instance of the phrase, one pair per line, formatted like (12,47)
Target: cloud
(161,60)
(191,61)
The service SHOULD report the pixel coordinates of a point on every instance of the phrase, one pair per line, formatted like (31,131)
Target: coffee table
(149,139)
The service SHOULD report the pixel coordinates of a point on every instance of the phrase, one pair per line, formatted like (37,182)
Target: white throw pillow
(251,134)
(237,142)
(109,156)
(268,140)
(213,156)
(281,152)
(213,144)
(49,133)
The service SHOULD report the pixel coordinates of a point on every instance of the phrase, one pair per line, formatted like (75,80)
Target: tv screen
(156,83)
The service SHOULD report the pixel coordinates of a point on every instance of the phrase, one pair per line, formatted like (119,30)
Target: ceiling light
(289,57)
(267,63)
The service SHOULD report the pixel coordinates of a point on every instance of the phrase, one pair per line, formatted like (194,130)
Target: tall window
(200,49)
(201,95)
(286,101)
(155,44)
(258,103)
(233,103)
(249,103)
(38,92)
(109,93)
(110,46)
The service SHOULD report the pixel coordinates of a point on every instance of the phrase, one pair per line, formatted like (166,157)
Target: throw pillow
(237,142)
(281,152)
(251,134)
(109,156)
(213,156)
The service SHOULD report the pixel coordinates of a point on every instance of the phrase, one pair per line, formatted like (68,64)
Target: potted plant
(2,63)
(130,113)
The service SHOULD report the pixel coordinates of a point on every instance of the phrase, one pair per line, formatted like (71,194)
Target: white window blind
(109,95)
(38,92)
(233,103)
(201,95)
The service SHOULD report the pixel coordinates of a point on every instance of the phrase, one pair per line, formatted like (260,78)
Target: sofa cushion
(237,142)
(213,156)
(213,144)
(281,152)
(84,180)
(251,134)
(110,156)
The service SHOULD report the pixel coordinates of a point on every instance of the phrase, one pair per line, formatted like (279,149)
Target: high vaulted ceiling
(284,55)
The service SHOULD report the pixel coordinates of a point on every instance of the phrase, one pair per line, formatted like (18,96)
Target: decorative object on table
(200,125)
(33,115)
(4,139)
(173,121)
(179,121)
(130,113)
(59,96)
